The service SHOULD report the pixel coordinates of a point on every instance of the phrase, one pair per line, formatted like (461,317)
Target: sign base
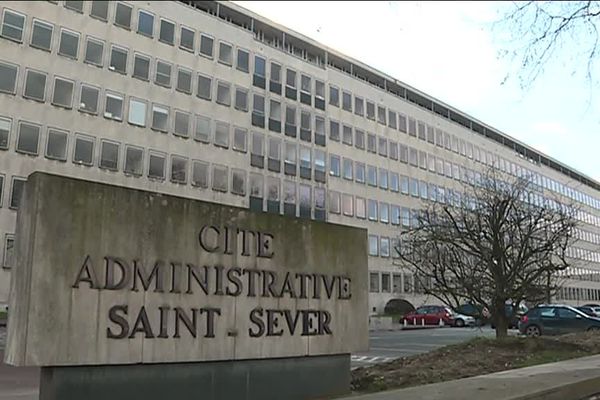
(294,378)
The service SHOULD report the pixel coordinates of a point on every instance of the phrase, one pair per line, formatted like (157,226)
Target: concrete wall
(62,302)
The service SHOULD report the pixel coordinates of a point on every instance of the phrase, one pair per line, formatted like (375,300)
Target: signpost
(120,291)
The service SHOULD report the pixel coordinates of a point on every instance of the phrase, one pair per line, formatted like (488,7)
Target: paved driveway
(387,345)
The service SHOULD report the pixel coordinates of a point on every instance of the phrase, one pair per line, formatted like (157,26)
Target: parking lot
(387,345)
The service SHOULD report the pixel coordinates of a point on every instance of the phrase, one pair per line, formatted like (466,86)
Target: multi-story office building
(209,101)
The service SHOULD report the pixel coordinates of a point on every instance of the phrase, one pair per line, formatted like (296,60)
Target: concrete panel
(236,299)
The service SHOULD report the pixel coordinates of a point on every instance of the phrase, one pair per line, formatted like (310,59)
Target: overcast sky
(448,50)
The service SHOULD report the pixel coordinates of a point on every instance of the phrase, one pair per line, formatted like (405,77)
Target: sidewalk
(566,380)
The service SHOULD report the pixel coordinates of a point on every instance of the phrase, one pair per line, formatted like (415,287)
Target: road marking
(371,360)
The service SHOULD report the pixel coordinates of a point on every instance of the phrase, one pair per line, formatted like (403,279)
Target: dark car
(514,314)
(556,319)
(587,310)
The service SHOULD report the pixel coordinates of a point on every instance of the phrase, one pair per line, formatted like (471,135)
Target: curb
(579,390)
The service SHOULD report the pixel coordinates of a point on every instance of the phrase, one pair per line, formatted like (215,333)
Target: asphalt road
(387,345)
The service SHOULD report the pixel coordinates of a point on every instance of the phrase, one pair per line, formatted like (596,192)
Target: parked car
(588,310)
(514,314)
(430,315)
(461,320)
(556,319)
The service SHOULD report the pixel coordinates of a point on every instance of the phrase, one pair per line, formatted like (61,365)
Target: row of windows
(587,236)
(396,282)
(158,116)
(583,254)
(42,36)
(373,210)
(575,293)
(581,274)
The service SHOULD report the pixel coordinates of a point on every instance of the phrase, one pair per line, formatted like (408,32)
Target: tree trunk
(500,320)
(501,327)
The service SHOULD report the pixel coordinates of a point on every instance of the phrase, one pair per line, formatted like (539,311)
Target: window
(370,110)
(184,81)
(361,208)
(100,10)
(8,78)
(182,124)
(289,198)
(320,168)
(348,205)
(334,165)
(334,130)
(393,150)
(241,99)
(219,178)
(347,101)
(384,251)
(118,60)
(405,216)
(156,166)
(394,182)
(5,126)
(114,107)
(204,87)
(347,135)
(69,44)
(413,157)
(224,93)
(109,155)
(383,178)
(359,106)
(225,53)
(273,187)
(319,94)
(372,210)
(274,115)
(305,162)
(243,60)
(35,85)
(238,182)
(206,45)
(160,118)
(63,93)
(167,32)
(186,40)
(319,203)
(145,23)
(392,119)
(348,169)
(12,25)
(381,115)
(274,154)
(56,145)
(18,184)
(240,139)
(257,152)
(163,74)
(414,187)
(141,67)
(260,71)
(395,215)
(359,139)
(371,143)
(134,161)
(359,174)
(290,159)
(222,134)
(84,150)
(200,174)
(404,187)
(372,175)
(41,35)
(319,130)
(74,5)
(123,15)
(94,51)
(334,96)
(305,128)
(258,110)
(334,202)
(137,112)
(374,251)
(305,89)
(384,212)
(88,99)
(179,169)
(383,146)
(28,138)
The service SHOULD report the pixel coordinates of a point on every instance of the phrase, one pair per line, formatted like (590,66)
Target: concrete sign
(110,275)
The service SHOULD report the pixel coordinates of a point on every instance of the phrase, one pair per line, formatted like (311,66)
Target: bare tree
(538,30)
(499,242)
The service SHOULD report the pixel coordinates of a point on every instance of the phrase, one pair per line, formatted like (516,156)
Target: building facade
(207,100)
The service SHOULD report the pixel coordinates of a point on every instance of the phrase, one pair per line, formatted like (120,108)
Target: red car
(431,315)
